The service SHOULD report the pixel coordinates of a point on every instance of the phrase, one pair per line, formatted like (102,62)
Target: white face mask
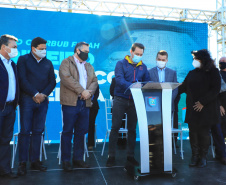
(161,64)
(196,64)
(40,53)
(136,58)
(13,53)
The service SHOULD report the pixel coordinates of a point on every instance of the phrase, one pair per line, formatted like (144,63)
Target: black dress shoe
(132,160)
(110,162)
(194,161)
(223,160)
(22,170)
(9,175)
(202,162)
(80,164)
(67,166)
(38,166)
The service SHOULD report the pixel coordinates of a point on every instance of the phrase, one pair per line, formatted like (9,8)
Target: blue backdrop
(110,39)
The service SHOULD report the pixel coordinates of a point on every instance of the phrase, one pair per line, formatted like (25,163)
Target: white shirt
(82,72)
(12,80)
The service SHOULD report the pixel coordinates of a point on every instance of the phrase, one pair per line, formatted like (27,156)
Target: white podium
(153,104)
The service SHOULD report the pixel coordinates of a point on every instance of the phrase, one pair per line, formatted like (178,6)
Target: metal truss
(114,8)
(215,19)
(220,28)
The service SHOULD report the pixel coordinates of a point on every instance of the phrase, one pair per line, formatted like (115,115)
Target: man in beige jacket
(77,87)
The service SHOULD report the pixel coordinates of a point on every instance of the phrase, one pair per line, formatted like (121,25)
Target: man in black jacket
(37,81)
(9,93)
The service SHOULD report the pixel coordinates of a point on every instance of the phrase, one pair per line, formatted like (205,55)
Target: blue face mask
(136,58)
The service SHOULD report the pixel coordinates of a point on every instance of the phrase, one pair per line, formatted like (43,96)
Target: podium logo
(152,101)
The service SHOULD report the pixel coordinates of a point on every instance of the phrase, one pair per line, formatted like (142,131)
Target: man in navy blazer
(9,95)
(161,73)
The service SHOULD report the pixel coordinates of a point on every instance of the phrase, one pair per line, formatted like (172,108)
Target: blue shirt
(161,73)
(12,80)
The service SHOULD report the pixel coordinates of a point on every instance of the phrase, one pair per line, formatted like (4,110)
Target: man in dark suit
(37,81)
(161,73)
(9,95)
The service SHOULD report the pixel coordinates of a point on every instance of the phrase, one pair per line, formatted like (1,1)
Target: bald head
(222,63)
(222,59)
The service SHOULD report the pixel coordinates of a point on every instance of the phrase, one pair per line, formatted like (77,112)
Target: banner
(110,40)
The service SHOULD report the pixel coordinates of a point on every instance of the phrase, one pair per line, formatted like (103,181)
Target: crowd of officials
(30,82)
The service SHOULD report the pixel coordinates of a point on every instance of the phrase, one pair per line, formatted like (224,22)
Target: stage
(98,174)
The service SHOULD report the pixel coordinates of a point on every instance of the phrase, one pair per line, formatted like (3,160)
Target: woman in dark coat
(202,86)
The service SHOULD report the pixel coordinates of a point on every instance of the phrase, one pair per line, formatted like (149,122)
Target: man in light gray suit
(161,73)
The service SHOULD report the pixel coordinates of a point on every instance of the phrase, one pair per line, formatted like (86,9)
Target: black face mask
(222,65)
(83,55)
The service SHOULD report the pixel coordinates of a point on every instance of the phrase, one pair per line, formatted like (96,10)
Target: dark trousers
(218,140)
(222,97)
(32,125)
(175,115)
(199,138)
(120,136)
(121,106)
(75,118)
(92,118)
(223,125)
(175,121)
(7,119)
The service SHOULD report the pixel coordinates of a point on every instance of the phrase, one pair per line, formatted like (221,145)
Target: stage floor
(98,174)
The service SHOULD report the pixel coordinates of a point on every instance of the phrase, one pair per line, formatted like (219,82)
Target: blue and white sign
(110,39)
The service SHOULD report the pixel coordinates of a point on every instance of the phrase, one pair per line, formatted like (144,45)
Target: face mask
(13,53)
(196,64)
(40,53)
(161,64)
(222,65)
(82,55)
(136,58)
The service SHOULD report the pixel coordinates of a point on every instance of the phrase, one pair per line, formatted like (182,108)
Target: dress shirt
(12,80)
(82,72)
(161,73)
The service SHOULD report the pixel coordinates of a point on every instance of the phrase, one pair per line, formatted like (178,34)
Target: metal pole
(69,3)
(223,40)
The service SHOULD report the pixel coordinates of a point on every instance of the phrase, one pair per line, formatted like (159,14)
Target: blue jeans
(7,119)
(32,123)
(75,118)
